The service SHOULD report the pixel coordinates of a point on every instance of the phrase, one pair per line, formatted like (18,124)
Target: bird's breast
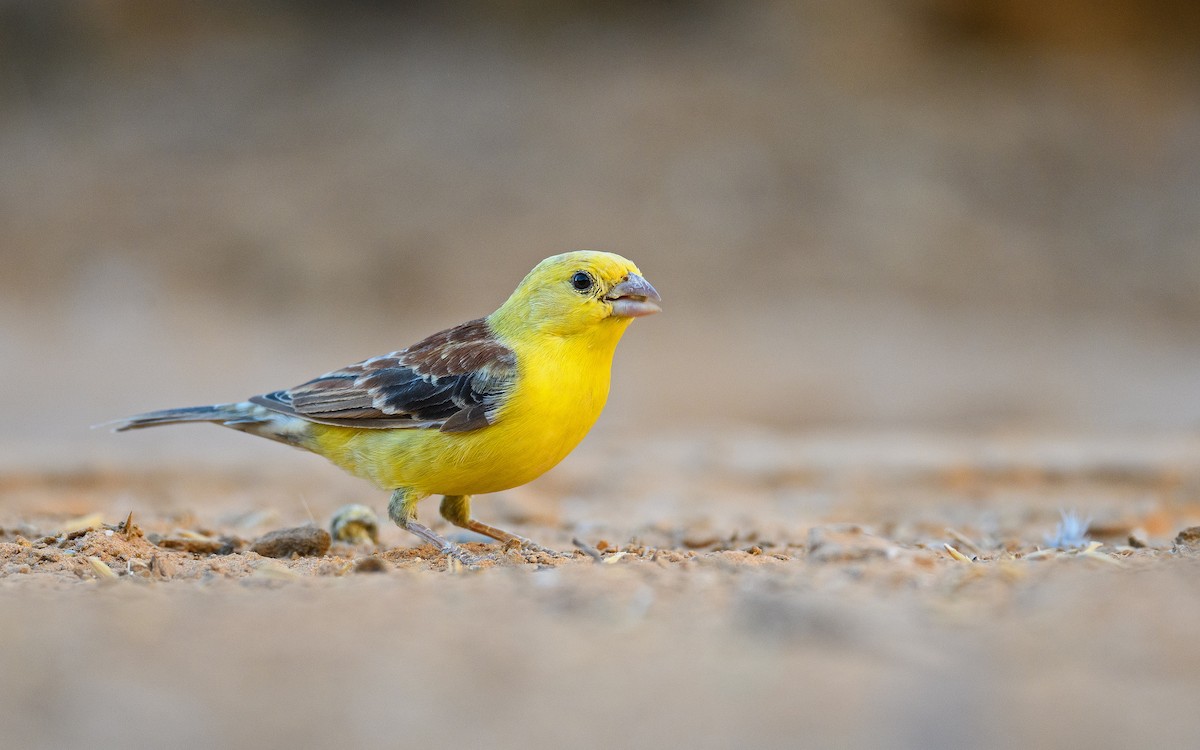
(558,396)
(555,399)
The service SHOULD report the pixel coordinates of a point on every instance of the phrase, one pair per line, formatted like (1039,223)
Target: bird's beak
(633,297)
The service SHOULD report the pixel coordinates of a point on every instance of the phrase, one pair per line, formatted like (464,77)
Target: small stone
(370,565)
(302,541)
(1189,537)
(162,566)
(193,543)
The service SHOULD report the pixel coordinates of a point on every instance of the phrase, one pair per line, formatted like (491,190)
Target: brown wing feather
(455,380)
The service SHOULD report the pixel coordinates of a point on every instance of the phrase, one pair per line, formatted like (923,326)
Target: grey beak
(634,298)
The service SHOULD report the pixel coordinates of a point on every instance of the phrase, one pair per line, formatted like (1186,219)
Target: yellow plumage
(561,388)
(564,349)
(529,383)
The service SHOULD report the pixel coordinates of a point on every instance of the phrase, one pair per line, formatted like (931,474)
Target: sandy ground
(945,217)
(751,589)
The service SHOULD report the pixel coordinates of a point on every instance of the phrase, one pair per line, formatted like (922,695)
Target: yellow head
(579,293)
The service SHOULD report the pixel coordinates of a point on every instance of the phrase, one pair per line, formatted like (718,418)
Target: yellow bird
(482,407)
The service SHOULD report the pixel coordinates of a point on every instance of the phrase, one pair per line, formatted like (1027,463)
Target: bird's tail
(221,413)
(243,416)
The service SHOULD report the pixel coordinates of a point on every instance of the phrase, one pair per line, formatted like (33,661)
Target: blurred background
(915,214)
(928,266)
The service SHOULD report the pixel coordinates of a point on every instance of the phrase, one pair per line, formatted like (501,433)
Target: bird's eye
(582,281)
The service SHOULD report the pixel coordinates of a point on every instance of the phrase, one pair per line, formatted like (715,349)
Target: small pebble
(302,541)
(162,566)
(370,565)
(198,545)
(1189,537)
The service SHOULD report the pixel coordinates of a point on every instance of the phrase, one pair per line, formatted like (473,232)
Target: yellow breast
(560,390)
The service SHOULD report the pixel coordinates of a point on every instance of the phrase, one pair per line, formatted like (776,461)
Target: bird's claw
(459,559)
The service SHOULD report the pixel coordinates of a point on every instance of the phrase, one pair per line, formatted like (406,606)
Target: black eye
(582,281)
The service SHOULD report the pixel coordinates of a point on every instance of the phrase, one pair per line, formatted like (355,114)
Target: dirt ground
(930,280)
(757,588)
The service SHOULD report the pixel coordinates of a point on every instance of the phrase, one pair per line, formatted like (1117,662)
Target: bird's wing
(454,381)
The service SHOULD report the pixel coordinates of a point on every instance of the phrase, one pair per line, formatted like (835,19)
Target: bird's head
(579,292)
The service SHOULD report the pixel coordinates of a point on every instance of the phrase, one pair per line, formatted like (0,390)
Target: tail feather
(222,413)
(242,416)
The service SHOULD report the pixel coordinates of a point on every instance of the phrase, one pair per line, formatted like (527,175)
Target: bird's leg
(403,510)
(457,510)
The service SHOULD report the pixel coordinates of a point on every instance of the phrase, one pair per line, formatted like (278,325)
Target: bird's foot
(455,555)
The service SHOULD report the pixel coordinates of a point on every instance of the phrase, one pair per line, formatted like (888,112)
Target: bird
(482,407)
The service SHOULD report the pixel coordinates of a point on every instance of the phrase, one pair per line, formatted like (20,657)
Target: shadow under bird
(484,406)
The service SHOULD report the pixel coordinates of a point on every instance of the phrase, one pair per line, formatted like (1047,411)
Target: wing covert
(454,380)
